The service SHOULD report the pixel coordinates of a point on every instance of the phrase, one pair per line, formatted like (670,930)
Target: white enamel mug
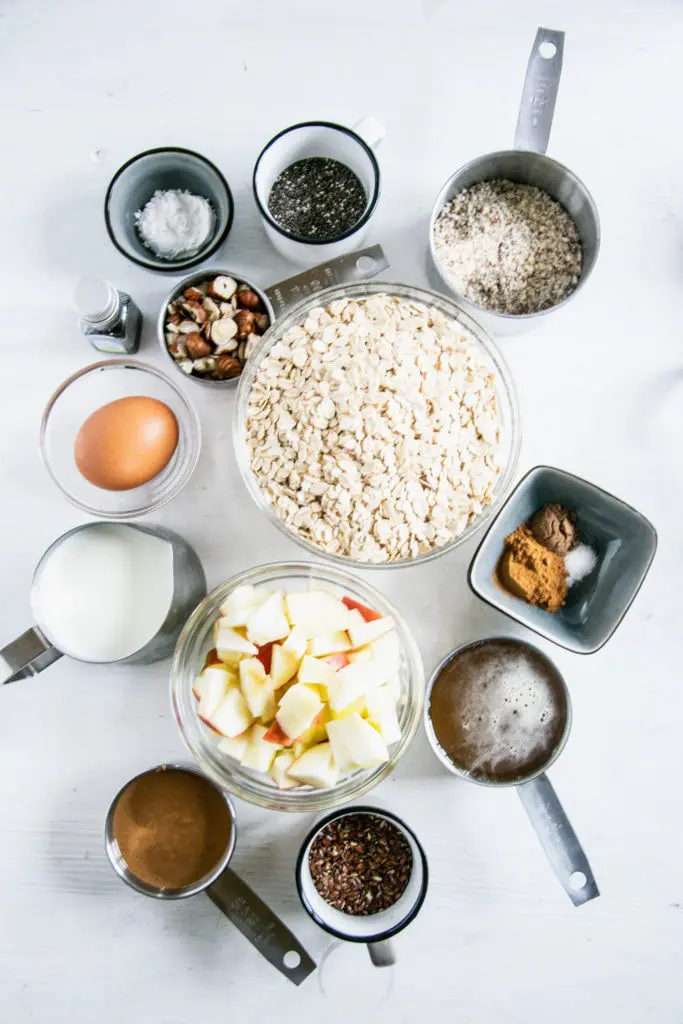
(319,139)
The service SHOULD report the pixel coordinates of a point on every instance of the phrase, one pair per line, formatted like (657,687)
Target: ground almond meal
(508,247)
(373,428)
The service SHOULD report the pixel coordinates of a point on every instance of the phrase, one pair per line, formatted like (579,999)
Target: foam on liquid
(498,710)
(104,592)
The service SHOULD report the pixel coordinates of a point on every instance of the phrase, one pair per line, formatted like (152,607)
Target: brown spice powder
(172,827)
(532,572)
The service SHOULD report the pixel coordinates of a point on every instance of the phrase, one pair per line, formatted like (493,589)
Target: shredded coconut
(175,223)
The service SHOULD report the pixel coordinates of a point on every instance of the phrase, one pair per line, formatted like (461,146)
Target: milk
(105,591)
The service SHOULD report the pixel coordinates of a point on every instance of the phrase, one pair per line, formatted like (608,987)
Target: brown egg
(126,443)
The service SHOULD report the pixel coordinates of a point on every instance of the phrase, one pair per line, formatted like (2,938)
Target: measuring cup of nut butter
(498,713)
(170,833)
(362,875)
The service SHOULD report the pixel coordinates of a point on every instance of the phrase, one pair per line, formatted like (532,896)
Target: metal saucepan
(556,835)
(527,164)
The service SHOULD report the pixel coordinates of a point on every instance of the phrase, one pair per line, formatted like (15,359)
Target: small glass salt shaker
(110,320)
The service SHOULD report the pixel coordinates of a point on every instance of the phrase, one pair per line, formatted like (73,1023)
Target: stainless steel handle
(540,91)
(382,953)
(261,926)
(354,266)
(29,654)
(558,839)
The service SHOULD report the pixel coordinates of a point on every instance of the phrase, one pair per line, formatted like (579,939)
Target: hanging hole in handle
(577,880)
(365,264)
(291,960)
(547,50)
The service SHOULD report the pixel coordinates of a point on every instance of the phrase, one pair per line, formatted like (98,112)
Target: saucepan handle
(558,839)
(261,926)
(540,91)
(29,654)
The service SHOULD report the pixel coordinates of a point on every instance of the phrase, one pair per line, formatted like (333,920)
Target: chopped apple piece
(355,619)
(370,631)
(265,655)
(275,734)
(364,745)
(259,753)
(232,716)
(369,614)
(316,767)
(333,643)
(361,655)
(387,651)
(312,670)
(382,713)
(356,706)
(197,687)
(241,604)
(256,687)
(284,664)
(231,646)
(269,621)
(297,709)
(337,661)
(234,746)
(281,765)
(340,751)
(215,682)
(393,685)
(296,643)
(352,682)
(316,613)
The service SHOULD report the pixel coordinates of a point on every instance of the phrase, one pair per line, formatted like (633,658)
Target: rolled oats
(373,429)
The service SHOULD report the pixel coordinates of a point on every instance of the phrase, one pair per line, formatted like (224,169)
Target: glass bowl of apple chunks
(297,686)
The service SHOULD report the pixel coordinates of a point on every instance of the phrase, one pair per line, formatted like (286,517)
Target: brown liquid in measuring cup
(498,710)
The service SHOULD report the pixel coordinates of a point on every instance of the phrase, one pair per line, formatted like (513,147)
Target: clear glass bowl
(196,640)
(81,395)
(505,392)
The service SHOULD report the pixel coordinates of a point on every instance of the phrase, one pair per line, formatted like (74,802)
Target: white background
(85,85)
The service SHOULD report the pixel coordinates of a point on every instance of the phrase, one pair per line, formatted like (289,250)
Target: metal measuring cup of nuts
(514,234)
(209,324)
(362,875)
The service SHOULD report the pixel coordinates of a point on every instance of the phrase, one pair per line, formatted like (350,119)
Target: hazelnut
(262,322)
(245,319)
(248,299)
(227,367)
(196,311)
(197,347)
(193,294)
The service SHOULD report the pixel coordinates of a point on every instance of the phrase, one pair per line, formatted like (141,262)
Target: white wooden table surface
(87,84)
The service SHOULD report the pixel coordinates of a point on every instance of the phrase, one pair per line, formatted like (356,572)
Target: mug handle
(26,656)
(382,953)
(558,839)
(261,926)
(539,94)
(370,130)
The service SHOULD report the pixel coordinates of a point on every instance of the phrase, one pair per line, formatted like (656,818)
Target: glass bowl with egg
(199,651)
(267,457)
(119,439)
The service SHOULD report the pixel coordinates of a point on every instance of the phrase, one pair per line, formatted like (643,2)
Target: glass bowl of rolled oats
(200,651)
(377,424)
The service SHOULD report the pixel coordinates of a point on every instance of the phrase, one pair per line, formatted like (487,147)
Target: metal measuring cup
(35,649)
(247,911)
(545,812)
(527,164)
(375,930)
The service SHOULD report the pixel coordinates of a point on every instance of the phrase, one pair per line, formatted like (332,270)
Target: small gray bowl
(624,541)
(197,278)
(135,183)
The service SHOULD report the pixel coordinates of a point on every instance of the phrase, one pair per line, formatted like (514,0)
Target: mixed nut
(212,328)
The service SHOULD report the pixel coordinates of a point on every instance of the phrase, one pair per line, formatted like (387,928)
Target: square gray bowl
(624,541)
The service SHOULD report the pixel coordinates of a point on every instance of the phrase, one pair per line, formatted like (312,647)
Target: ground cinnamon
(530,571)
(172,827)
